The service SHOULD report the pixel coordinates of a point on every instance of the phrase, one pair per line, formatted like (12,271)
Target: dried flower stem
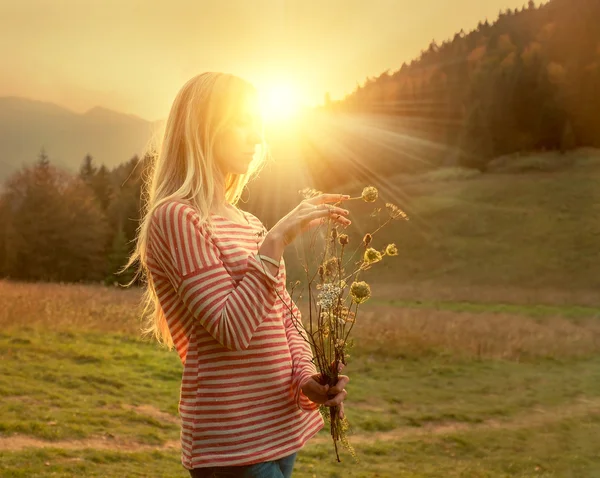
(328,329)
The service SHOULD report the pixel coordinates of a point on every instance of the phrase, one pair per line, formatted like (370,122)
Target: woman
(216,289)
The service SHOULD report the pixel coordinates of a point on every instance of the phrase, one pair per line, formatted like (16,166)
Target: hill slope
(495,232)
(26,126)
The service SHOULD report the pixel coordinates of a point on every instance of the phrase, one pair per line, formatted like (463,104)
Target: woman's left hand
(322,394)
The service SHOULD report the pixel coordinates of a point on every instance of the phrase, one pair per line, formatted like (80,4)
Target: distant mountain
(27,126)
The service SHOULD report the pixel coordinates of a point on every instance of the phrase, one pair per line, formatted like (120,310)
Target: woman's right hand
(310,213)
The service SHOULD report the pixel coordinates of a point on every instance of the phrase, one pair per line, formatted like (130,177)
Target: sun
(279,102)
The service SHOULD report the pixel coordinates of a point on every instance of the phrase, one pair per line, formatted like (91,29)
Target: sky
(134,55)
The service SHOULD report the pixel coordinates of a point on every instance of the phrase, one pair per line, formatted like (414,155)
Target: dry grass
(486,294)
(440,414)
(406,332)
(385,330)
(72,306)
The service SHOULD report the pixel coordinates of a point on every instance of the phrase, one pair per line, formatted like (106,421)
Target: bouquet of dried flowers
(334,297)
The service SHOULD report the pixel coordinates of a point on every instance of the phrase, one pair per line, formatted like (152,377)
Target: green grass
(510,417)
(535,311)
(478,355)
(90,463)
(419,392)
(59,386)
(496,230)
(524,232)
(567,449)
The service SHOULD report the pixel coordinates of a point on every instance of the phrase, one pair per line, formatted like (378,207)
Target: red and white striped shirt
(244,360)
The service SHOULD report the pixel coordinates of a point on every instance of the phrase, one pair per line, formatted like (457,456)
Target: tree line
(527,82)
(62,227)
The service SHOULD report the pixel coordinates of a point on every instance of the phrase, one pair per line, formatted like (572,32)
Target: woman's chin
(241,169)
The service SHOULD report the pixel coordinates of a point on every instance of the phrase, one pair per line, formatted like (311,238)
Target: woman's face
(237,144)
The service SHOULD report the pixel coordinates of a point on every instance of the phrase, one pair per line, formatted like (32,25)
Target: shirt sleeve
(230,311)
(303,367)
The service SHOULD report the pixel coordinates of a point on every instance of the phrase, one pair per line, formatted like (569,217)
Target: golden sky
(134,55)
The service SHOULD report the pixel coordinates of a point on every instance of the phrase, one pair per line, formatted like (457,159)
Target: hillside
(27,126)
(525,82)
(519,234)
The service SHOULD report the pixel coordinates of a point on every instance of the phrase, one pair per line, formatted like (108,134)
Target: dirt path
(21,442)
(532,418)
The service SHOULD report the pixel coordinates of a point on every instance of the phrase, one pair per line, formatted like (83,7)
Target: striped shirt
(244,361)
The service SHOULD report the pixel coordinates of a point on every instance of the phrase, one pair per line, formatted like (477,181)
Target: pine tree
(101,185)
(88,169)
(43,160)
(54,228)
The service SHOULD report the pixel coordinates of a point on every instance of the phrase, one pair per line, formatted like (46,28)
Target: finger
(329,209)
(318,387)
(340,385)
(321,213)
(322,210)
(337,214)
(339,398)
(323,198)
(311,219)
(341,411)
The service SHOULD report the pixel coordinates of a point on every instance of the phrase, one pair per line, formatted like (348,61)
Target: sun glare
(279,102)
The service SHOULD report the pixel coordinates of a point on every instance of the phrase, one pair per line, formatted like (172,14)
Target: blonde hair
(184,168)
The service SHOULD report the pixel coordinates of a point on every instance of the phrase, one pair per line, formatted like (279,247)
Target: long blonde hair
(184,168)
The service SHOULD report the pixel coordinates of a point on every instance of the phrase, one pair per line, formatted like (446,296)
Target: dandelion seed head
(331,266)
(329,296)
(372,256)
(391,250)
(360,292)
(395,212)
(370,194)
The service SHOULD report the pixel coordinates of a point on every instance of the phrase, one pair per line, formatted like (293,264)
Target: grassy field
(436,391)
(508,235)
(478,356)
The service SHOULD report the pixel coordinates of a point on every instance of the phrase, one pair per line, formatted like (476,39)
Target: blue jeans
(281,468)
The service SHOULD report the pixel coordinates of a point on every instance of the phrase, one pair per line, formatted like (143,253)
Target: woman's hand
(307,214)
(324,395)
(310,213)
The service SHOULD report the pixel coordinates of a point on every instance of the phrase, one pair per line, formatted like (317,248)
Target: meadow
(478,355)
